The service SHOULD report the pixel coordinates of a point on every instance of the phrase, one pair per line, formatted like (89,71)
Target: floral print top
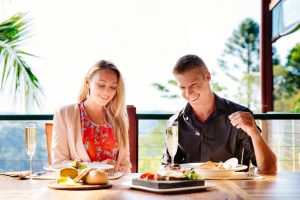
(99,141)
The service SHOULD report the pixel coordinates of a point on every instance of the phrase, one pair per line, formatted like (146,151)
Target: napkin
(17,174)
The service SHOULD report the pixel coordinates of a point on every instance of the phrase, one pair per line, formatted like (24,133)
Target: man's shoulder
(231,106)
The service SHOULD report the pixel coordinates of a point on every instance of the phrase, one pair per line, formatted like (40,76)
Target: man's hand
(245,121)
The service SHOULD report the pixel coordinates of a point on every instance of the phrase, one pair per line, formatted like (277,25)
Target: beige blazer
(67,139)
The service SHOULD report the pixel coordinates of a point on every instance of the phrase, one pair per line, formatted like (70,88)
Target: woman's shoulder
(67,108)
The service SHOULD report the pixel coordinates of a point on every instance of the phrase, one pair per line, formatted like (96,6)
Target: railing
(260,116)
(281,131)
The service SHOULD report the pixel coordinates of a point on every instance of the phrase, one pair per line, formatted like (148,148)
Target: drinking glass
(172,140)
(30,142)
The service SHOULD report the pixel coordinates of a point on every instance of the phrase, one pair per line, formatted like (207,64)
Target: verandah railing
(281,131)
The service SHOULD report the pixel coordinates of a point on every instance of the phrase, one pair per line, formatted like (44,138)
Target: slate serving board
(167,184)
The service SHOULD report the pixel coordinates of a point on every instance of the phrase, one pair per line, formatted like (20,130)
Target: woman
(96,128)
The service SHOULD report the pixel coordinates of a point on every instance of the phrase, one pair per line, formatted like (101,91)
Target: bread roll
(96,176)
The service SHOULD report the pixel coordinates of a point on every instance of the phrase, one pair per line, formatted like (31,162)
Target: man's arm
(266,159)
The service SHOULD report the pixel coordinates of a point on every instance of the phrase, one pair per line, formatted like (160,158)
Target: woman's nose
(107,90)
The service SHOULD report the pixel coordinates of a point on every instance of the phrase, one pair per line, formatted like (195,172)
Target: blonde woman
(96,128)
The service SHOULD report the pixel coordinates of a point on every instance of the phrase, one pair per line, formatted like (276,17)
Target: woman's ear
(87,83)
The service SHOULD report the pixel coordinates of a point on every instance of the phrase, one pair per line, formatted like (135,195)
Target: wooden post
(266,57)
(133,137)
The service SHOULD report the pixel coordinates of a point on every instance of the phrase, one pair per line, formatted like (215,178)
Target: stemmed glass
(172,140)
(30,142)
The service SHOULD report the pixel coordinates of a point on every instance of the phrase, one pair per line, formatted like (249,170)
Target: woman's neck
(95,111)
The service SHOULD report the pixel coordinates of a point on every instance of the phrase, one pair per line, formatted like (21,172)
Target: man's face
(194,87)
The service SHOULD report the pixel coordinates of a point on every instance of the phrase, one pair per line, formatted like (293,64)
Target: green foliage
(167,91)
(241,58)
(151,148)
(287,83)
(24,85)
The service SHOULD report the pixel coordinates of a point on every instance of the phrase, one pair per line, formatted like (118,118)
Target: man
(212,128)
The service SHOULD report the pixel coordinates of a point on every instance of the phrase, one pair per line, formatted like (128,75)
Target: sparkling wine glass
(30,142)
(172,140)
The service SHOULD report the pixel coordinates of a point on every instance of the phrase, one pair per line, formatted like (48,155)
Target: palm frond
(13,32)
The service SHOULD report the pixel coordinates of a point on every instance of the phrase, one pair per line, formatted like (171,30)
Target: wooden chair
(133,138)
(48,131)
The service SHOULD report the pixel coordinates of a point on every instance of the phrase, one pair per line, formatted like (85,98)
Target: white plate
(97,165)
(116,175)
(193,165)
(206,186)
(54,185)
(206,173)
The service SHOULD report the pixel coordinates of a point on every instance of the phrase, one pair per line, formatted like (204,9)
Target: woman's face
(103,86)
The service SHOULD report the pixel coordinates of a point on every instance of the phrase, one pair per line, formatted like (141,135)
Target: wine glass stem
(30,168)
(172,160)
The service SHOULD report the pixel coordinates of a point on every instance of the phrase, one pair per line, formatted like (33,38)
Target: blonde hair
(116,108)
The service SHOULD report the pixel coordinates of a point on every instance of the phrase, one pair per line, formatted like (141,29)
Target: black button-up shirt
(213,140)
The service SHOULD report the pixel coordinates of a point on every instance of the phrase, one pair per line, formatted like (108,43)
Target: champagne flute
(30,143)
(172,140)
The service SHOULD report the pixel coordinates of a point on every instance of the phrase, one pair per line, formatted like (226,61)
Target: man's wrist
(255,135)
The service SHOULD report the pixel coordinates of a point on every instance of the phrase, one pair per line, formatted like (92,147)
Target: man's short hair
(189,62)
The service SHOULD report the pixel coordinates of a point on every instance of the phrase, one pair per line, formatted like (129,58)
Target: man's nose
(188,91)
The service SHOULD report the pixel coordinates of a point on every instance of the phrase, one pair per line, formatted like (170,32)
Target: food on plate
(68,172)
(211,165)
(166,175)
(67,181)
(74,177)
(96,176)
(78,164)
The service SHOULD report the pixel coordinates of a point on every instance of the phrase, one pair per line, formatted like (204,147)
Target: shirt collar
(220,104)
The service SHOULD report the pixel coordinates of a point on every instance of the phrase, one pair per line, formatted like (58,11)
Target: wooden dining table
(280,186)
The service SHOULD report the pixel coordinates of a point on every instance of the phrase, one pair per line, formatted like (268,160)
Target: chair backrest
(133,138)
(48,131)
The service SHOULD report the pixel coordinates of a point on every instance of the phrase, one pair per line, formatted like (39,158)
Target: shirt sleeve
(60,144)
(125,164)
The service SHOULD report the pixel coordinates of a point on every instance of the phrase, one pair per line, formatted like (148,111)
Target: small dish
(116,175)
